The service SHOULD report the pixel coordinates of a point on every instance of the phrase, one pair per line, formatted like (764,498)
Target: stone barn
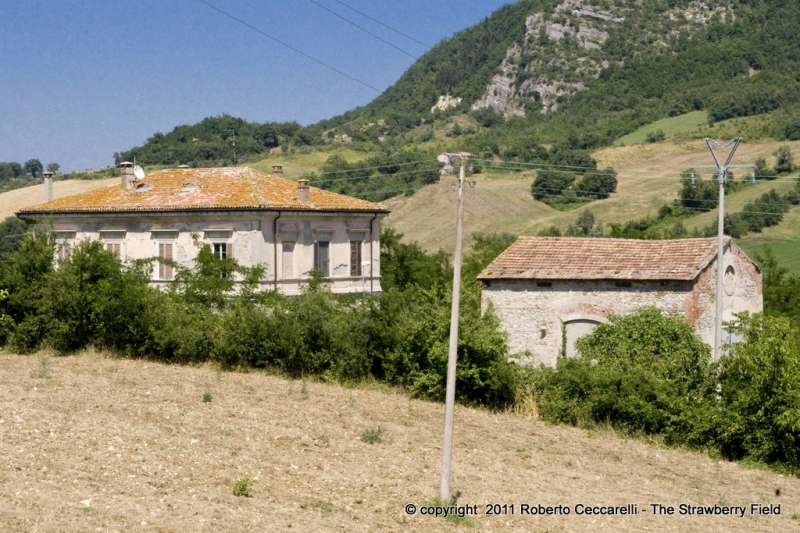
(545,289)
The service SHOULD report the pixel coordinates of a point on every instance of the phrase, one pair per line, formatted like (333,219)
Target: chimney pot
(126,174)
(277,171)
(48,186)
(302,191)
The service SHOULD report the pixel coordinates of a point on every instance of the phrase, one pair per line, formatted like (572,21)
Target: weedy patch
(303,387)
(373,435)
(453,518)
(242,487)
(207,397)
(44,368)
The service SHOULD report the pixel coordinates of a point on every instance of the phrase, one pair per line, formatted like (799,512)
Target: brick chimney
(302,191)
(48,186)
(126,174)
(277,171)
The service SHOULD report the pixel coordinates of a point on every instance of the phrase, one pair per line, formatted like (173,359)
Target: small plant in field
(243,486)
(465,521)
(373,435)
(352,403)
(207,396)
(44,368)
(303,388)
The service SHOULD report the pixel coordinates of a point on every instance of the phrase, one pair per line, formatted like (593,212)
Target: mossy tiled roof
(568,258)
(204,189)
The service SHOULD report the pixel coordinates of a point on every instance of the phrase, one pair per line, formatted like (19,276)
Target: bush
(759,408)
(550,183)
(784,160)
(656,136)
(642,372)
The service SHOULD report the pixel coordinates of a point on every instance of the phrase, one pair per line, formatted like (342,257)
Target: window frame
(356,264)
(326,272)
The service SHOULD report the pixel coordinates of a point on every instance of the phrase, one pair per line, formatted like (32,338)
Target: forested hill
(573,75)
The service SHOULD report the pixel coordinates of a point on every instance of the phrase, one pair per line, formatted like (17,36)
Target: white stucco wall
(532,315)
(252,238)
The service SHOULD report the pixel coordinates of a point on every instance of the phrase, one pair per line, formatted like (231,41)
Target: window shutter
(229,250)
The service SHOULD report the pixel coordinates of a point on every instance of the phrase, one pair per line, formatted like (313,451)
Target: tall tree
(34,167)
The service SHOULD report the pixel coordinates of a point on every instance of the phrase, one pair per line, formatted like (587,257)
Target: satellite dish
(138,172)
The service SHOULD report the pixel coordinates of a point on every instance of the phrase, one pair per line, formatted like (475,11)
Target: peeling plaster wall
(251,237)
(525,309)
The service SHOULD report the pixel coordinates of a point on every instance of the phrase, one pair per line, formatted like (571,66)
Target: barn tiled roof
(204,189)
(562,258)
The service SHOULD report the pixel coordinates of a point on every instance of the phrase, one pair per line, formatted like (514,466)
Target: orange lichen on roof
(562,258)
(201,189)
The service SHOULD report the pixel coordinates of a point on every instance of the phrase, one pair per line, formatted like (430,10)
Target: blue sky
(80,80)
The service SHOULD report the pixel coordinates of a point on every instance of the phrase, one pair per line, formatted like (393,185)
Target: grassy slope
(124,445)
(683,124)
(648,177)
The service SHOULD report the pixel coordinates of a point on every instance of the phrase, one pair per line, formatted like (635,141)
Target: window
(623,284)
(115,248)
(64,249)
(287,260)
(355,258)
(165,270)
(223,250)
(322,257)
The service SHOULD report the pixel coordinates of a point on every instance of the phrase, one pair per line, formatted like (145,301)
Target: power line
(382,24)
(374,175)
(362,29)
(290,47)
(313,175)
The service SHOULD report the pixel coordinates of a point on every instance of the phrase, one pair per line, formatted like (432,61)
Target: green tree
(784,160)
(585,221)
(33,167)
(550,183)
(12,232)
(53,167)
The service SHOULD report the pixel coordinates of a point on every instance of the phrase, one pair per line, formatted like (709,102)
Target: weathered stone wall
(533,315)
(251,237)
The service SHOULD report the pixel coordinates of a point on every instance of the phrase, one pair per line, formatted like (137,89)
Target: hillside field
(649,176)
(92,443)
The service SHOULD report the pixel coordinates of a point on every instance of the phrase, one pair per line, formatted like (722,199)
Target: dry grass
(121,445)
(13,201)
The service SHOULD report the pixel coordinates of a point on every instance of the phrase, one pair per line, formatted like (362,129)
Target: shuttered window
(164,270)
(115,248)
(223,250)
(63,251)
(287,260)
(355,258)
(322,257)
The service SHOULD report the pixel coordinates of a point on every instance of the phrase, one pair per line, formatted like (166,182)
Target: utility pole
(722,171)
(452,354)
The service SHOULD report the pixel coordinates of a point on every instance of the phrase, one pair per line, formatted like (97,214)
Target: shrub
(373,435)
(656,136)
(642,372)
(759,409)
(242,487)
(550,183)
(784,160)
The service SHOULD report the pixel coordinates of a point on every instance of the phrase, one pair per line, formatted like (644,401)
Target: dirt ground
(92,443)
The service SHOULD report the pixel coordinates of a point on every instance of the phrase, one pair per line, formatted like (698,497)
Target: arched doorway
(574,330)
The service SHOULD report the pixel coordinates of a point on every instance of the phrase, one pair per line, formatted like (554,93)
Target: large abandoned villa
(256,218)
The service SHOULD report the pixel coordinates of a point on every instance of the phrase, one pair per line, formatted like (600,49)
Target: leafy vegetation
(650,375)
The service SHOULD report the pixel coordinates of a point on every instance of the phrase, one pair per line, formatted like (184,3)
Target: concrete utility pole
(452,355)
(722,172)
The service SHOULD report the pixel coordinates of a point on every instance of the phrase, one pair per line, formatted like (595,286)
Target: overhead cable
(290,47)
(382,24)
(335,14)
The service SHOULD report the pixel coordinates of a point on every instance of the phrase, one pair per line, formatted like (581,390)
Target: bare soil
(92,443)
